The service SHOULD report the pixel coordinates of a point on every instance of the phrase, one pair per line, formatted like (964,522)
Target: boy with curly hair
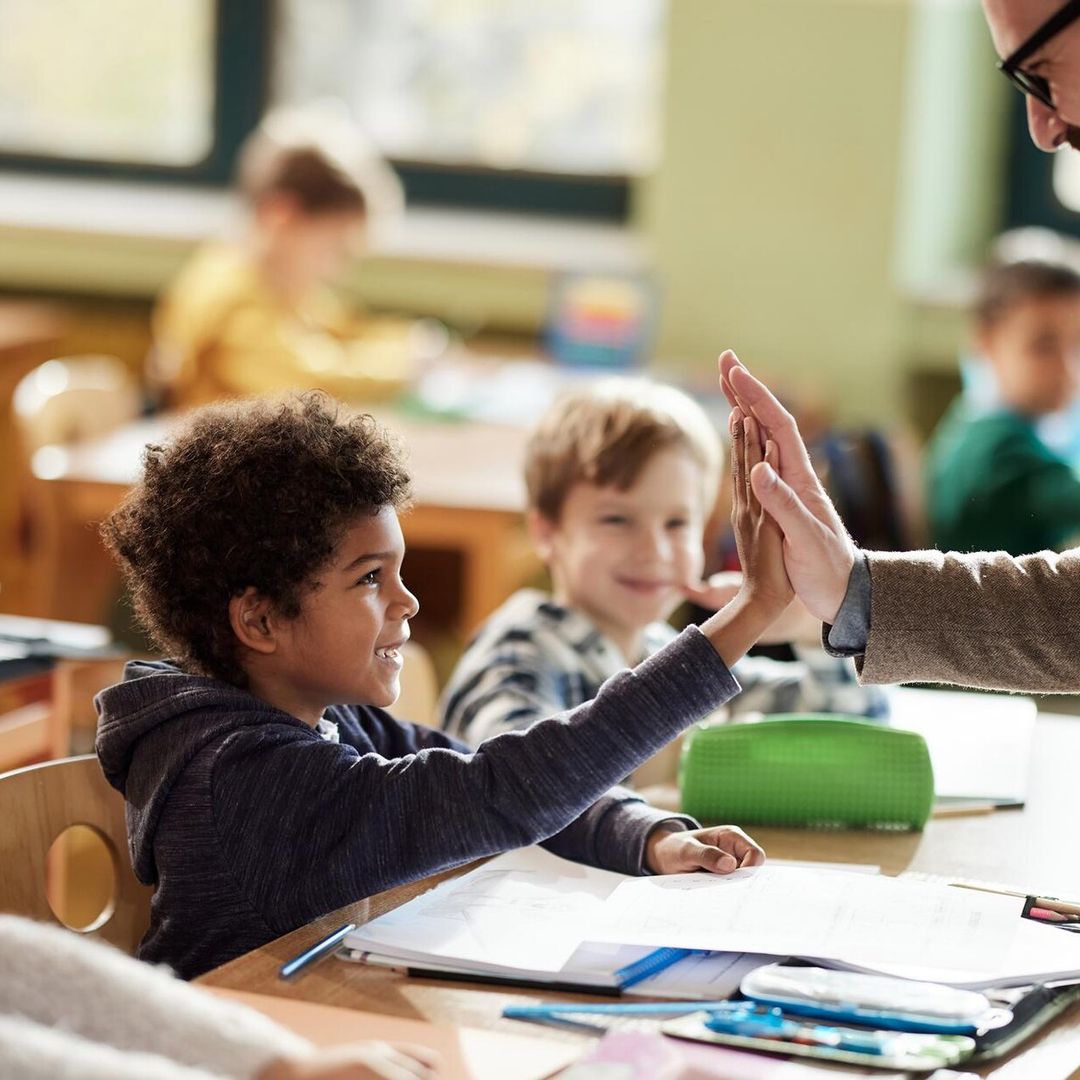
(265,785)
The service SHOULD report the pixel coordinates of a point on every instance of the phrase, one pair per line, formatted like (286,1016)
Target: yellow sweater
(221,332)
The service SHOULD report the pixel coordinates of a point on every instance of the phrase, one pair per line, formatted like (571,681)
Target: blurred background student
(257,314)
(993,482)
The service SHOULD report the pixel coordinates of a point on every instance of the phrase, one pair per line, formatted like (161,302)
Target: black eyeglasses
(1035,85)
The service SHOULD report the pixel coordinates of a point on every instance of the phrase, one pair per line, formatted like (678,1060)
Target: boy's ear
(253,621)
(542,533)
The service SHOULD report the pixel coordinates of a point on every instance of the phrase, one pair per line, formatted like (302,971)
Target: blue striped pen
(649,965)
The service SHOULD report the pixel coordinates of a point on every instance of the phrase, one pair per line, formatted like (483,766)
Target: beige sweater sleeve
(55,984)
(987,620)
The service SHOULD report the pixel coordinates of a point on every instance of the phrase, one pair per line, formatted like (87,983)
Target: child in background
(621,477)
(257,315)
(992,483)
(265,785)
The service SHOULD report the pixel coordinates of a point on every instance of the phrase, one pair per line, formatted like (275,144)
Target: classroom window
(119,88)
(489,94)
(107,81)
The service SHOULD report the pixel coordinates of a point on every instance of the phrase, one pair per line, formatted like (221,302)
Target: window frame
(242,61)
(243,73)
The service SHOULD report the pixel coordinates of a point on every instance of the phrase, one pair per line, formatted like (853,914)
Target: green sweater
(993,485)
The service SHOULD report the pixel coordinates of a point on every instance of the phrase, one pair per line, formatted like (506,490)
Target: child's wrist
(739,624)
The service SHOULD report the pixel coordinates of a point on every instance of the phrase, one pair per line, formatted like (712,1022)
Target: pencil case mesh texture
(815,771)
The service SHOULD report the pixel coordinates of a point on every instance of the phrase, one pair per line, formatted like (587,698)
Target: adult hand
(372,1060)
(818,553)
(719,850)
(796,624)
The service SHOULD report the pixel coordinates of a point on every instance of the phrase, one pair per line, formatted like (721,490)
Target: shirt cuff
(851,631)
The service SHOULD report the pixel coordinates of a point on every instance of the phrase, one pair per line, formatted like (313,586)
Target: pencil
(962,810)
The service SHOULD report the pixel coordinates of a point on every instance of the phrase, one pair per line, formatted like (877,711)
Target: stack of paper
(531,915)
(524,917)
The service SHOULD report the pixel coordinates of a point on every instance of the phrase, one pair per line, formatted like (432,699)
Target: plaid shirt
(534,658)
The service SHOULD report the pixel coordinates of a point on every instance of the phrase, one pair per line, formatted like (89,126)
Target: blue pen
(649,965)
(320,948)
(641,1008)
(772,1024)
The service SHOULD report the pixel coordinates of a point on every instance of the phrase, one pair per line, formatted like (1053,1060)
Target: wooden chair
(60,402)
(37,804)
(419,687)
(62,723)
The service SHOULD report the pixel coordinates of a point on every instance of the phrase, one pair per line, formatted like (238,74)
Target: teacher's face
(1012,22)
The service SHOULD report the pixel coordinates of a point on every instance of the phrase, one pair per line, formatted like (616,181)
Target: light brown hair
(605,435)
(322,163)
(1006,284)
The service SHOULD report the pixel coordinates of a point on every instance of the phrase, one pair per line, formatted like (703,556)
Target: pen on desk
(319,949)
(649,965)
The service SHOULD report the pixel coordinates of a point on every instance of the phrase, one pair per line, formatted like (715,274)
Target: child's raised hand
(818,550)
(757,536)
(719,850)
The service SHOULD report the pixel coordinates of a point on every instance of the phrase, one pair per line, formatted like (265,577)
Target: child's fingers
(739,475)
(753,443)
(699,856)
(752,455)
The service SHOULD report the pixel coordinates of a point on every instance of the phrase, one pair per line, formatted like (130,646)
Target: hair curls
(256,493)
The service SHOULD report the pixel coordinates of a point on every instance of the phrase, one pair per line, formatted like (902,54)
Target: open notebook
(530,916)
(519,919)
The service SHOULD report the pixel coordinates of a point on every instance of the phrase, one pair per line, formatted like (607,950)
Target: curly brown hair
(256,493)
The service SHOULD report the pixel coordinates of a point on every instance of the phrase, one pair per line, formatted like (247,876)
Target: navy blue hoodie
(250,823)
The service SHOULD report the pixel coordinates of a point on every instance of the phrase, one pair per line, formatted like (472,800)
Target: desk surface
(454,464)
(468,498)
(1026,848)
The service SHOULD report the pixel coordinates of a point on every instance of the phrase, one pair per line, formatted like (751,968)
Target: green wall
(803,177)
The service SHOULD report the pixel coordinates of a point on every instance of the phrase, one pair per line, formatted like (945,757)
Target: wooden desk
(467,484)
(1027,848)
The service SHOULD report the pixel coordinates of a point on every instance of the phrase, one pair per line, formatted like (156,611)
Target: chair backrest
(36,805)
(73,398)
(859,470)
(60,402)
(419,687)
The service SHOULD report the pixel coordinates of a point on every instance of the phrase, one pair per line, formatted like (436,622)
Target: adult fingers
(758,400)
(784,506)
(726,362)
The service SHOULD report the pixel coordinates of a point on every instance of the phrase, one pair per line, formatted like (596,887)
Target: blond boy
(622,477)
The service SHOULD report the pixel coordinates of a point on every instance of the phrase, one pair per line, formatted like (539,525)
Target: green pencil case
(807,770)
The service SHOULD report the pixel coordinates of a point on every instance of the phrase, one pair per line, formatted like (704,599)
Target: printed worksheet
(856,918)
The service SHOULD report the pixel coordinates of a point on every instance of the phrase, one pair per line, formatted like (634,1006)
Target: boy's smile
(345,646)
(622,557)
